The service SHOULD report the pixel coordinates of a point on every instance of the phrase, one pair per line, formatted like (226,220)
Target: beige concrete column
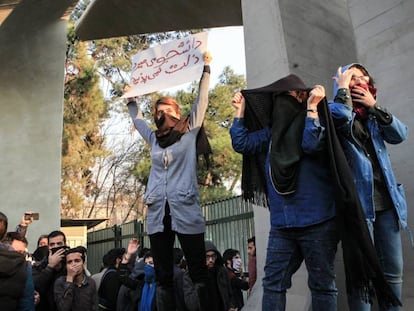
(32,55)
(305,38)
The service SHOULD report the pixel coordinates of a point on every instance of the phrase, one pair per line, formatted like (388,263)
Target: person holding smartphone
(50,269)
(238,283)
(27,218)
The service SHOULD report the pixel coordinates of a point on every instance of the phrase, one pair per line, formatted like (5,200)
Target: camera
(35,216)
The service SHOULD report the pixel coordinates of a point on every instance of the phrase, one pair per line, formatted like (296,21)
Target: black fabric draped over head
(269,106)
(362,268)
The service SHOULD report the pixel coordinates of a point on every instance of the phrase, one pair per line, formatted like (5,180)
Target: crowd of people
(59,279)
(325,173)
(321,167)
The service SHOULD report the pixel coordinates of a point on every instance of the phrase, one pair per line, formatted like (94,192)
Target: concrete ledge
(114,18)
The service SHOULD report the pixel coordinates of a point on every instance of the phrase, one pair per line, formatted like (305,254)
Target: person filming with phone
(27,218)
(238,282)
(50,269)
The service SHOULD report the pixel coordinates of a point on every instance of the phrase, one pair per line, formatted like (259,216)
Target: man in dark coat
(50,269)
(16,285)
(219,290)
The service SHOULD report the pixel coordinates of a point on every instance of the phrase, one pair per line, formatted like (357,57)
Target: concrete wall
(32,55)
(308,38)
(384,36)
(311,39)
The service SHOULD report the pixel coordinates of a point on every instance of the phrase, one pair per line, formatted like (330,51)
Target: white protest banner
(167,65)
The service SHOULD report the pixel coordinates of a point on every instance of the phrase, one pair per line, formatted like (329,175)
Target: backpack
(102,302)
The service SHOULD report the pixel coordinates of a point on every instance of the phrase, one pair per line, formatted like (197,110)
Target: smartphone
(55,249)
(236,264)
(35,216)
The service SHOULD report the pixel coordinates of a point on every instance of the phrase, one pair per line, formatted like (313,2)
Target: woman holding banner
(172,194)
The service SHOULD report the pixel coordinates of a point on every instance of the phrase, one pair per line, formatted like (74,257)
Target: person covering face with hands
(364,127)
(75,290)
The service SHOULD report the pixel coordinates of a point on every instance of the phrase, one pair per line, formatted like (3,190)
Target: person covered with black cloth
(278,131)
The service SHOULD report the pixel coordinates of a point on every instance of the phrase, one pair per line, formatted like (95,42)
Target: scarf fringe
(256,197)
(367,294)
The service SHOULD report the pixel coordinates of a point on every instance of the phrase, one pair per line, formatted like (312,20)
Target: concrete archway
(309,38)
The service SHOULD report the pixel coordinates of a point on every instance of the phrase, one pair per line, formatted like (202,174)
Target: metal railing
(229,223)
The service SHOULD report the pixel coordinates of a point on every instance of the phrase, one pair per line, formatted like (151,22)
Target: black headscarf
(286,151)
(363,270)
(169,130)
(269,106)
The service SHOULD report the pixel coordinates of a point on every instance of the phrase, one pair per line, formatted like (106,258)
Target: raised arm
(138,119)
(242,140)
(200,106)
(314,132)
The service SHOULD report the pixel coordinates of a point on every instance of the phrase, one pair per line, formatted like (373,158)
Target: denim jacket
(393,133)
(313,201)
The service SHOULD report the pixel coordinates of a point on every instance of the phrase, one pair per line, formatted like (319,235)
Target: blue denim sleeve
(248,143)
(395,132)
(26,301)
(342,117)
(313,139)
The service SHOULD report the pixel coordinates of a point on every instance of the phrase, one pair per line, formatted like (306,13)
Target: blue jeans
(286,250)
(385,232)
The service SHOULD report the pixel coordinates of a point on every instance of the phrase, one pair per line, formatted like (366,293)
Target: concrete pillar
(32,56)
(309,39)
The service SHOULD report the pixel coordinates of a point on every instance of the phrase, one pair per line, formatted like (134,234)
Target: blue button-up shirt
(313,200)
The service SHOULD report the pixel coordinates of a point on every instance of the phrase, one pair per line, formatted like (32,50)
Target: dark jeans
(385,232)
(287,249)
(162,244)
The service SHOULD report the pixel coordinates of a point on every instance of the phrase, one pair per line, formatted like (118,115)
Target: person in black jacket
(219,290)
(75,291)
(119,269)
(51,268)
(16,285)
(179,271)
(234,266)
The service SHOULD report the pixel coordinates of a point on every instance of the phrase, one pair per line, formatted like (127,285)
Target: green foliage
(94,176)
(222,177)
(84,110)
(95,75)
(218,181)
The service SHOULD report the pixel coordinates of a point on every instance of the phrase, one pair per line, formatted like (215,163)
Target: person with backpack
(119,267)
